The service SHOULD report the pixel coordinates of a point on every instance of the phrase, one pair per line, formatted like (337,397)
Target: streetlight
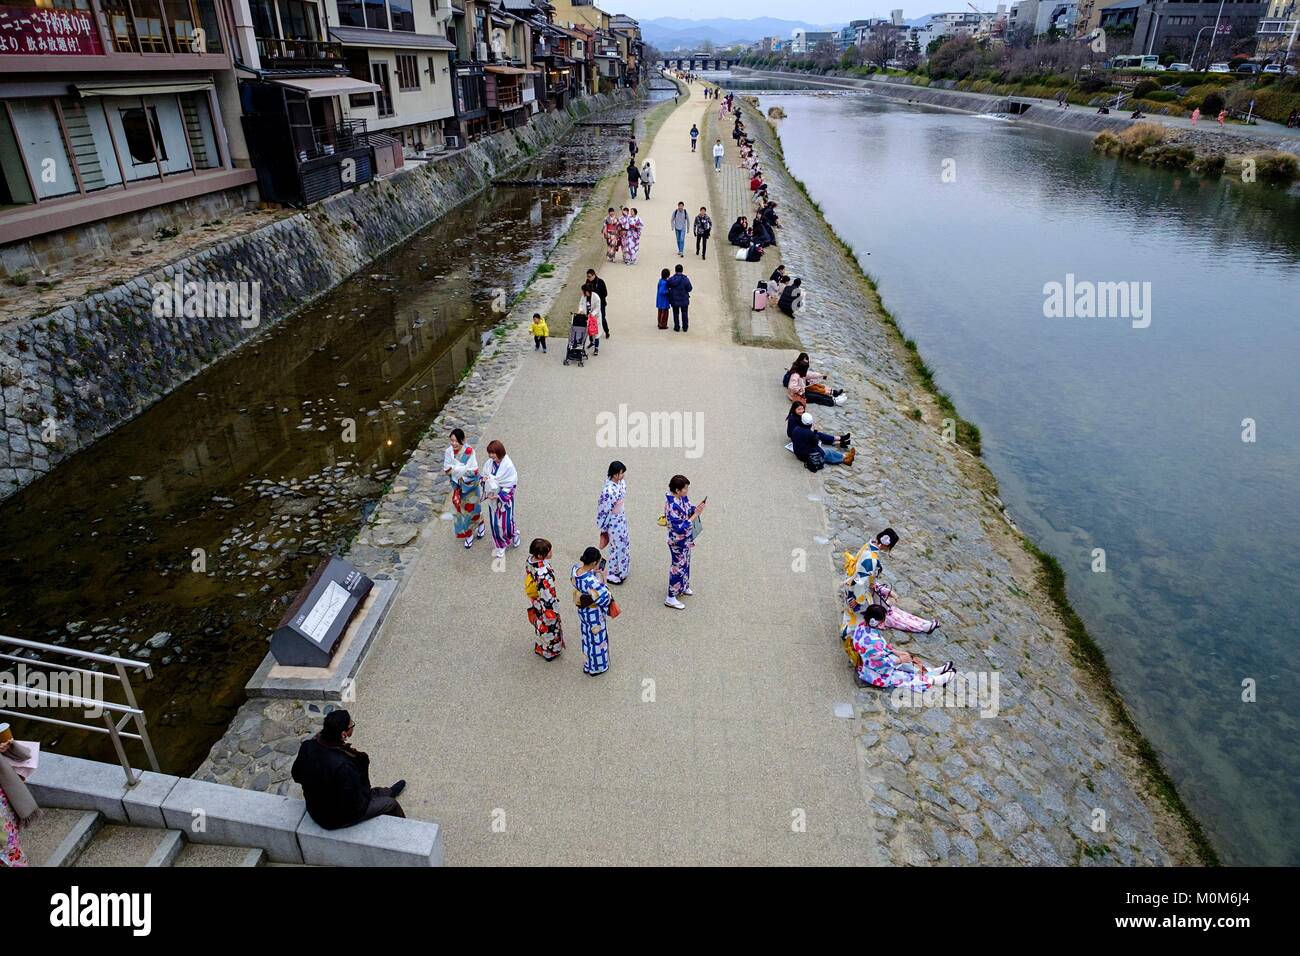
(1198,43)
(1210,48)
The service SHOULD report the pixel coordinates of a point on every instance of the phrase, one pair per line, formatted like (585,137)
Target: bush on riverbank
(1276,167)
(1130,143)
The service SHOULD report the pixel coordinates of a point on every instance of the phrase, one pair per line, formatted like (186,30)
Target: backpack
(593,325)
(754,254)
(816,461)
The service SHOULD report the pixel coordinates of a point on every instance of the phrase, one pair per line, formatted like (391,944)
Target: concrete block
(234,817)
(382,841)
(143,802)
(75,784)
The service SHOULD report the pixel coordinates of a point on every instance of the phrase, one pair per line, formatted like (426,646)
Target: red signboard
(28,31)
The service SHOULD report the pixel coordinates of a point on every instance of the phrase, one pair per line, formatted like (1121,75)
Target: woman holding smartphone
(680,516)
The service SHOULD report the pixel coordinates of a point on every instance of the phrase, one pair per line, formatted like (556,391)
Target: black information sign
(318,616)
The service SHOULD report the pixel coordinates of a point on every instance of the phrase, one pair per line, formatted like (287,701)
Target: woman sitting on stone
(803,385)
(739,234)
(880,664)
(791,300)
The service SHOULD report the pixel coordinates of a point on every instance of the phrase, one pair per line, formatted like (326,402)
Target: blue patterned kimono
(611,517)
(678,512)
(591,620)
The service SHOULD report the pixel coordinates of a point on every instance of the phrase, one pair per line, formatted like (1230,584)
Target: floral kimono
(465,490)
(11,850)
(880,666)
(591,620)
(613,236)
(632,226)
(543,611)
(611,518)
(864,588)
(500,481)
(678,512)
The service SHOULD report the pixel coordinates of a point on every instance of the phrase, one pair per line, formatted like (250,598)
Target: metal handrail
(129,711)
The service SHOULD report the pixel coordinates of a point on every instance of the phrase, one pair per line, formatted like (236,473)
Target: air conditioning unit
(452,141)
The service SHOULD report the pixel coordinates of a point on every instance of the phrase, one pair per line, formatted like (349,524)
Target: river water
(1103,435)
(248,463)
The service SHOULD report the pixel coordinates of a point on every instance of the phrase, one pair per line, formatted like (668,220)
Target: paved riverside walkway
(712,738)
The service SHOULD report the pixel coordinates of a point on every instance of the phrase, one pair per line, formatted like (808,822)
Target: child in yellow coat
(540,332)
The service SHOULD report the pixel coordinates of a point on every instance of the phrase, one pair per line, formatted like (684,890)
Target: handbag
(697,527)
(816,460)
(817,387)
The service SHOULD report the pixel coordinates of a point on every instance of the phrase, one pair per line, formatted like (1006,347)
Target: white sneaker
(840,399)
(498,552)
(673,602)
(688,592)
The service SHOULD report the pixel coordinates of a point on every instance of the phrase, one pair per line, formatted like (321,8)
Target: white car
(1180,68)
(1276,68)
(1219,68)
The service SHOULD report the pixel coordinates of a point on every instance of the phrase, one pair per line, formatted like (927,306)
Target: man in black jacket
(602,292)
(335,778)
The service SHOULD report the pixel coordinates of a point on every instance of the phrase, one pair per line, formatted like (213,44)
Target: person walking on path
(680,221)
(680,517)
(460,464)
(543,601)
(1223,116)
(499,483)
(1196,116)
(632,227)
(703,227)
(633,178)
(611,519)
(594,602)
(602,292)
(679,297)
(717,156)
(589,305)
(632,147)
(661,298)
(611,233)
(539,332)
(647,178)
(695,135)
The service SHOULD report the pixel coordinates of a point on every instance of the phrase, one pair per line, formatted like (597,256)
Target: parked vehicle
(1248,68)
(1274,69)
(1219,68)
(1135,63)
(1179,68)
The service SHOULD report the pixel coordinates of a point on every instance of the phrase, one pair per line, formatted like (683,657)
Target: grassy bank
(1158,145)
(1084,650)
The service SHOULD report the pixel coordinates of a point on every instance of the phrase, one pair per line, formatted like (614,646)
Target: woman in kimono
(499,484)
(594,602)
(680,517)
(612,233)
(632,226)
(882,665)
(865,586)
(611,519)
(544,601)
(460,464)
(17,808)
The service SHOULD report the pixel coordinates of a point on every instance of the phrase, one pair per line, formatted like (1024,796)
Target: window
(408,72)
(433,73)
(352,13)
(142,137)
(402,14)
(359,69)
(379,75)
(376,15)
(36,128)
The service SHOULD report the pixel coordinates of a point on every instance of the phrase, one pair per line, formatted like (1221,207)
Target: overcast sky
(809,11)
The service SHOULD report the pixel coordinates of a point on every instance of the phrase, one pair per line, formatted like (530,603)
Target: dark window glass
(402,14)
(359,69)
(352,14)
(138,142)
(376,15)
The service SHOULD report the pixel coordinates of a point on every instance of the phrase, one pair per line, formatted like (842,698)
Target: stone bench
(381,841)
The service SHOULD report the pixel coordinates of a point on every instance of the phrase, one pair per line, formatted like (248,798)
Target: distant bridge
(699,61)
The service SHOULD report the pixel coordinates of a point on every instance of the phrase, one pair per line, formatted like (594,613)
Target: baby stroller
(577,348)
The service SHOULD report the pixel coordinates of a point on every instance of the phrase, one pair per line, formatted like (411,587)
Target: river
(1173,448)
(247,462)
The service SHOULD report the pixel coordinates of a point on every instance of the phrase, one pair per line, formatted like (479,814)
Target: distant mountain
(675,33)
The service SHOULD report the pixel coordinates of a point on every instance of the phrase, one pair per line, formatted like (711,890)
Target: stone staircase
(83,838)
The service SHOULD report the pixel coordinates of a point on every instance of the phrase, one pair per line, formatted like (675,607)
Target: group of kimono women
(868,609)
(495,483)
(622,231)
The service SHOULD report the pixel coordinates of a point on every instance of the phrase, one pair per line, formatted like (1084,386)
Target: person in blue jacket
(661,298)
(679,297)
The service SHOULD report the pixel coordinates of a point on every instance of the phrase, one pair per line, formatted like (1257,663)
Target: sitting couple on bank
(803,385)
(812,447)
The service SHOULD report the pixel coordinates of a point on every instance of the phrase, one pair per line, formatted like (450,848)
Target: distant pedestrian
(717,156)
(500,479)
(633,178)
(632,146)
(679,297)
(680,517)
(543,601)
(1196,115)
(681,220)
(602,292)
(703,228)
(1223,116)
(610,231)
(594,604)
(589,306)
(647,177)
(632,237)
(539,331)
(695,135)
(611,519)
(661,298)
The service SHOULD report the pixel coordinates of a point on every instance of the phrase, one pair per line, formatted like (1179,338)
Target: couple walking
(674,291)
(703,228)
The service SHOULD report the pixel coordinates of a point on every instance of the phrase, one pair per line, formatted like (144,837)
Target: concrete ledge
(143,802)
(382,841)
(328,683)
(213,813)
(75,784)
(78,838)
(170,848)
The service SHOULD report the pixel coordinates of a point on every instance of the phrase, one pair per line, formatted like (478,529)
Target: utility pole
(1213,36)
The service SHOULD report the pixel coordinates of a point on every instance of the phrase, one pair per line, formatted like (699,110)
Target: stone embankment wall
(1033,769)
(70,376)
(1075,119)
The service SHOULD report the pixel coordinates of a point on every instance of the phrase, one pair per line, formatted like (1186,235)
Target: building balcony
(286,53)
(1275,26)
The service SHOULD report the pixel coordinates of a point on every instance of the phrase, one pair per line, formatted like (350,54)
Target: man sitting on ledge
(335,778)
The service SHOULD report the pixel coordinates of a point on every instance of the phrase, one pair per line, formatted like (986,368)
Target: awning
(316,86)
(150,89)
(508,70)
(391,39)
